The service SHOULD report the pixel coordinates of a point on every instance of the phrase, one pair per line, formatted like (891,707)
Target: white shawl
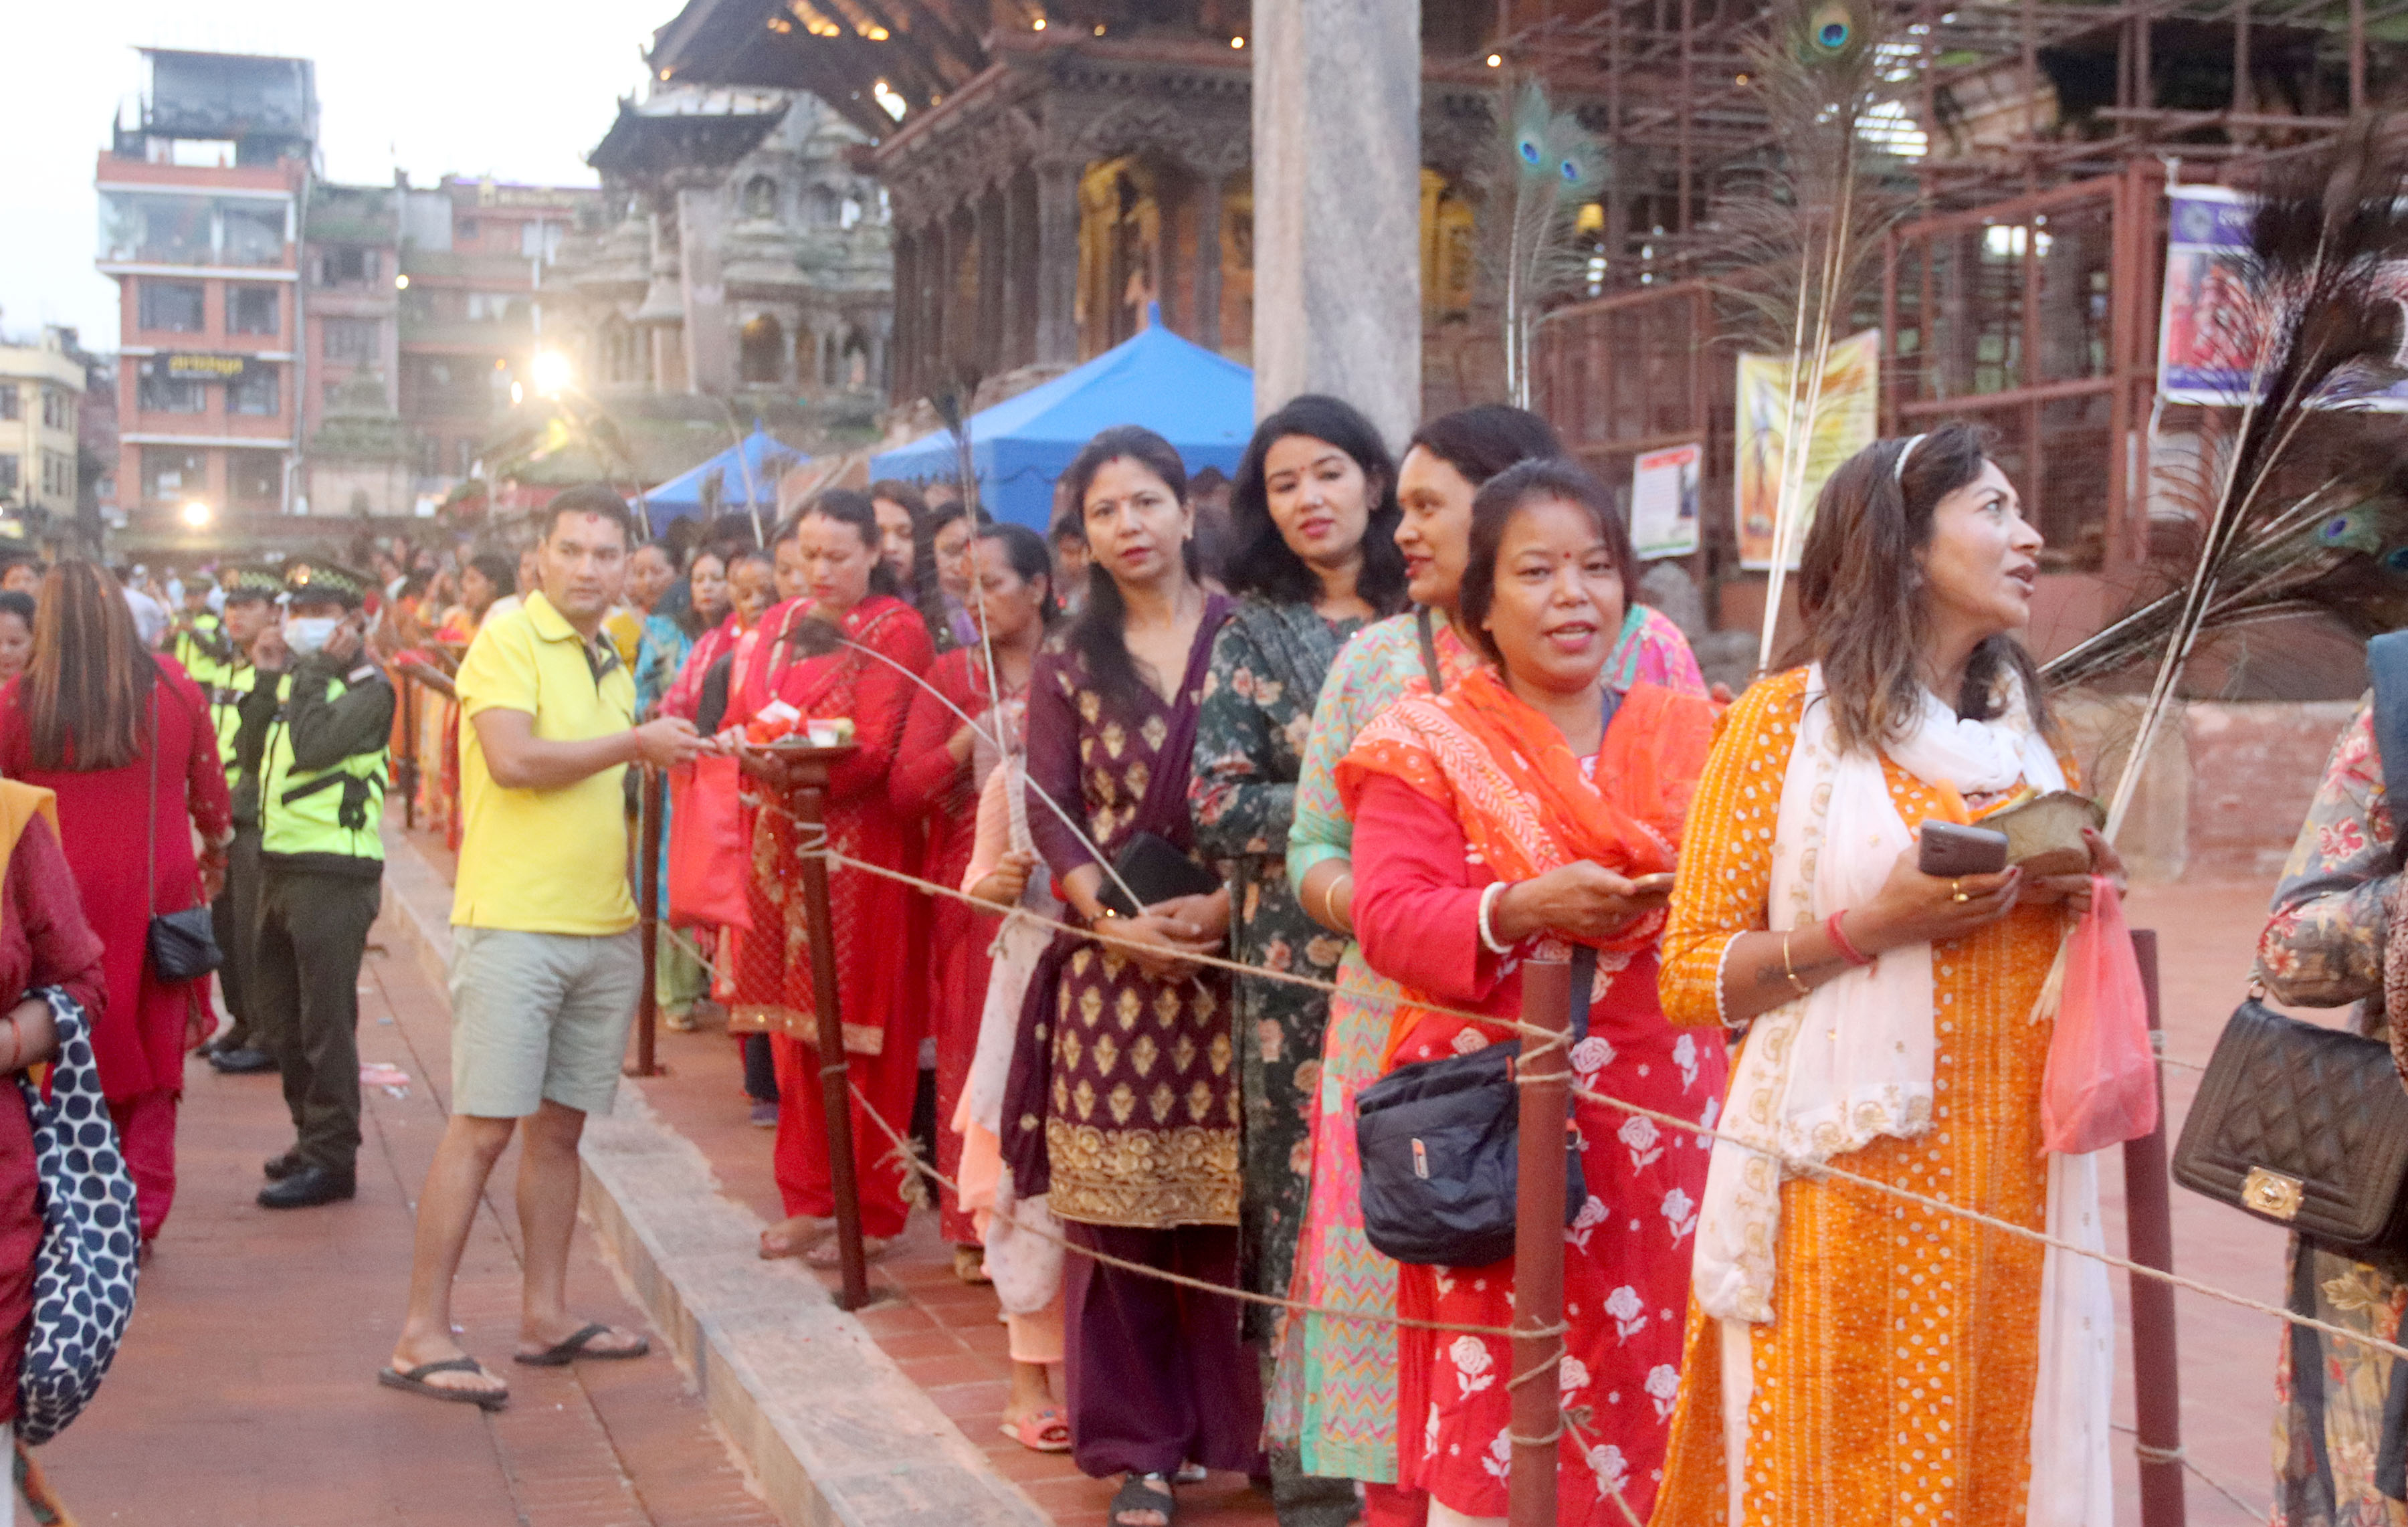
(1831,1072)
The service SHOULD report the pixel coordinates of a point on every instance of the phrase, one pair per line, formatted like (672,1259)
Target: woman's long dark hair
(691,620)
(86,693)
(1485,439)
(1099,634)
(1029,558)
(1262,562)
(1861,589)
(1505,496)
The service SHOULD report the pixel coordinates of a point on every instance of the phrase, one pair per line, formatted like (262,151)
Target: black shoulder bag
(2301,1124)
(181,946)
(1439,1142)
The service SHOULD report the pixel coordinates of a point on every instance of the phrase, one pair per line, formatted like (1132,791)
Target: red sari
(683,697)
(773,964)
(139,1038)
(1448,796)
(930,788)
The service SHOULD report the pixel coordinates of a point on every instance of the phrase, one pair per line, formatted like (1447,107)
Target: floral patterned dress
(1268,665)
(2323,947)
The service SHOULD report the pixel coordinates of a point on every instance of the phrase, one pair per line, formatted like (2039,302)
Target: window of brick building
(170,473)
(254,476)
(350,341)
(177,306)
(9,401)
(252,310)
(158,393)
(255,392)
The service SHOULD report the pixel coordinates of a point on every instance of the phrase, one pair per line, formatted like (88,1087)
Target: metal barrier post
(1539,1245)
(808,775)
(647,911)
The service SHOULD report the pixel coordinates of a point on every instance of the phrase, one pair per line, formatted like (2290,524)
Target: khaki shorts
(537,1015)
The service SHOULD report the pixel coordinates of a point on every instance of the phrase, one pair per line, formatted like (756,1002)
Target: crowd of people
(1243,808)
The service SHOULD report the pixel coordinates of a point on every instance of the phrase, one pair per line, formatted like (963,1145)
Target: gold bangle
(1791,970)
(1329,897)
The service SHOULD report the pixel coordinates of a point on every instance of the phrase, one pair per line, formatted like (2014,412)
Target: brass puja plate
(2271,1193)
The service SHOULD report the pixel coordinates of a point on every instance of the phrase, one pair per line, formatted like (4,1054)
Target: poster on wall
(1844,422)
(1664,501)
(2203,339)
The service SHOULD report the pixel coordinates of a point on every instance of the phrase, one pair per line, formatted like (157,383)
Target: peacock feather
(2298,498)
(1803,231)
(1553,165)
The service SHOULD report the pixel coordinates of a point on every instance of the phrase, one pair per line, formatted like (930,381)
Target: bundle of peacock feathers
(2298,498)
(1803,234)
(1551,166)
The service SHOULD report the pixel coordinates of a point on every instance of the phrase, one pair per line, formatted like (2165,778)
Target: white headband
(1899,471)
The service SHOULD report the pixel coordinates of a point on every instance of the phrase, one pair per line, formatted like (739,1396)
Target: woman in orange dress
(1855,1359)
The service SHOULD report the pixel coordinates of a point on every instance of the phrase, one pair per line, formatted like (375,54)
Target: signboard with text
(1664,501)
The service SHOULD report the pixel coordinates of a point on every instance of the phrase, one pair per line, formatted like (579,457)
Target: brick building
(200,204)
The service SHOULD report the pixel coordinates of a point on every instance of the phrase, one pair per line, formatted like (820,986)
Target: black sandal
(1144,1493)
(561,1354)
(414,1381)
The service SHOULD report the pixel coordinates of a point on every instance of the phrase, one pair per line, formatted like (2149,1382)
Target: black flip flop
(414,1381)
(562,1354)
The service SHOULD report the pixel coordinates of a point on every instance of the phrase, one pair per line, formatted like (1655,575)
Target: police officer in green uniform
(321,734)
(200,641)
(249,609)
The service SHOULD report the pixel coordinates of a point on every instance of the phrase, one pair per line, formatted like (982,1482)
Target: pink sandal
(1040,1431)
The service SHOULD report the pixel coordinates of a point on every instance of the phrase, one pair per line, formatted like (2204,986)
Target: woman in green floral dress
(1314,512)
(2323,947)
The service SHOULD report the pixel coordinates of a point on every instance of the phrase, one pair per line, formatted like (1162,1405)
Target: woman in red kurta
(937,777)
(836,538)
(1526,809)
(111,729)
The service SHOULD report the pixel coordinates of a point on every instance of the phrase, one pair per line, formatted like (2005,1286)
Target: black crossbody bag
(1440,1142)
(181,946)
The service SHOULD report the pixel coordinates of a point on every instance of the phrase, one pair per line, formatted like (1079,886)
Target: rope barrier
(2176,1455)
(1802,1169)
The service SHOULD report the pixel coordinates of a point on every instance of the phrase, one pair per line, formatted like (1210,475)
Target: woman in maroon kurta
(936,780)
(44,941)
(838,541)
(90,721)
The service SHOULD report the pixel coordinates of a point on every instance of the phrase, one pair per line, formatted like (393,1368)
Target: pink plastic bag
(2101,1084)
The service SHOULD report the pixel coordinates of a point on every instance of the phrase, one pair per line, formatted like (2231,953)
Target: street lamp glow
(1496,60)
(401,283)
(890,98)
(553,372)
(195,514)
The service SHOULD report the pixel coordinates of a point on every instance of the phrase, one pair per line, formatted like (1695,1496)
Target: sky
(508,88)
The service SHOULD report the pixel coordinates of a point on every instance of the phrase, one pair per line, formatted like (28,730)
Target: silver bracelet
(1487,902)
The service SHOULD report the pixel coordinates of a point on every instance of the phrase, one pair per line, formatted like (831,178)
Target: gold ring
(1957,891)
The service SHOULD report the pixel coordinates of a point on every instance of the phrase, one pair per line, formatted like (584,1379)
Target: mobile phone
(1651,886)
(1948,850)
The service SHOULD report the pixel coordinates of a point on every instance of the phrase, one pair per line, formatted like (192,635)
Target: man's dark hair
(598,499)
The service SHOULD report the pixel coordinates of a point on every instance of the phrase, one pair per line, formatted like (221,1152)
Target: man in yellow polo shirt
(544,959)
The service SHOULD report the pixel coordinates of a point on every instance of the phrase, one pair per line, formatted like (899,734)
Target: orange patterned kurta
(1894,1384)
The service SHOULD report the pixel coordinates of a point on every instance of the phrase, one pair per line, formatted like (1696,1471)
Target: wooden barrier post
(406,774)
(647,911)
(806,773)
(2149,1237)
(1539,1245)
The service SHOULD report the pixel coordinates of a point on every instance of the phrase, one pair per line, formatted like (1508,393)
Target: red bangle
(1840,941)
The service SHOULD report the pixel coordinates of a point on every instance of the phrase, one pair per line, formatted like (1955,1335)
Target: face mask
(307,635)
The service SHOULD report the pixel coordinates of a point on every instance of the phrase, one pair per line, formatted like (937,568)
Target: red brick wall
(2253,767)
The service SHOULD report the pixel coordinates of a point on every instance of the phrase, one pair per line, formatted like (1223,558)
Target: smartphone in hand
(1948,850)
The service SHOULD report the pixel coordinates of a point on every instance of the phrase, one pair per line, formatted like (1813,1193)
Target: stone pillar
(702,214)
(906,325)
(1014,290)
(993,304)
(936,268)
(1210,191)
(1337,146)
(792,320)
(1057,263)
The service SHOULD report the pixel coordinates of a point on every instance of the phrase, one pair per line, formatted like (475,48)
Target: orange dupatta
(1510,780)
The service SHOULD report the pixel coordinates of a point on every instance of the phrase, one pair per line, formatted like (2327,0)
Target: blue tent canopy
(1199,402)
(758,462)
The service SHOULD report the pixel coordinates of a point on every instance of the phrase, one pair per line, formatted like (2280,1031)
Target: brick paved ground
(244,1396)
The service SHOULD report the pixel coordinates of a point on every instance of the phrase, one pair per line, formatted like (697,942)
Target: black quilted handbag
(2305,1125)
